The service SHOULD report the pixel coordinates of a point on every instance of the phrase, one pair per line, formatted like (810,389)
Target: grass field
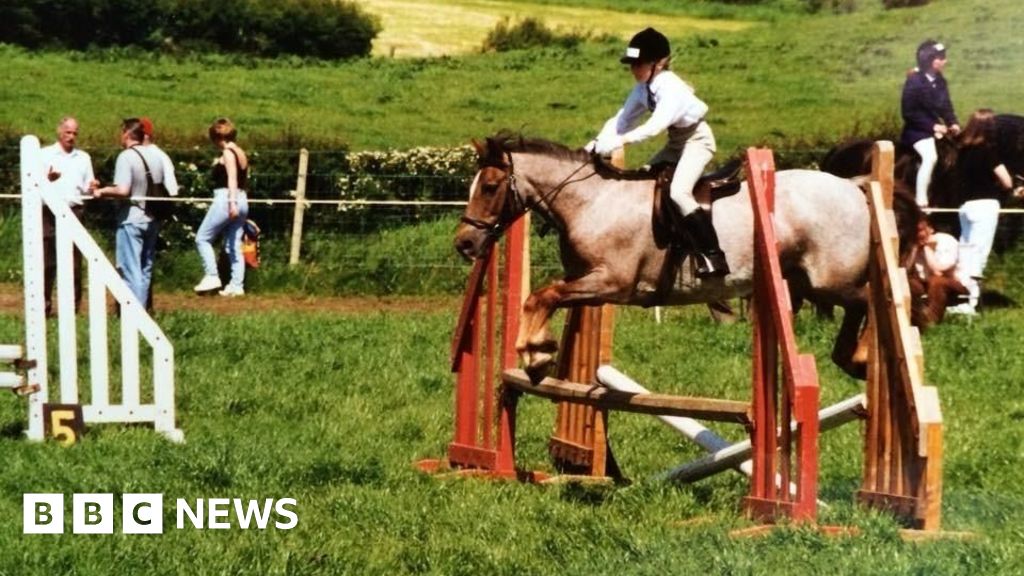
(795,80)
(333,409)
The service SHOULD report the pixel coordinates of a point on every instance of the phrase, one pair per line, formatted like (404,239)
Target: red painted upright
(483,347)
(779,398)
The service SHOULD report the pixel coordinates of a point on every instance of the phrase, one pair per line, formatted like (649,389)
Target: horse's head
(494,201)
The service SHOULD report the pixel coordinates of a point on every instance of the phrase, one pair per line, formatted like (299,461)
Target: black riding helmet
(648,45)
(927,52)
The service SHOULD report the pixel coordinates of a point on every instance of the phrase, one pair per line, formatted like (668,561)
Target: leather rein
(514,205)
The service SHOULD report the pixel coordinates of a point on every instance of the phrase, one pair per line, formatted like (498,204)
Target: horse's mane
(512,142)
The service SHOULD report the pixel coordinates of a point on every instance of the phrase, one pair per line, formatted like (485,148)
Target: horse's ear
(480,147)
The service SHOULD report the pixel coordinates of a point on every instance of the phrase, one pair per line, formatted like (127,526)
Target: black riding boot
(709,257)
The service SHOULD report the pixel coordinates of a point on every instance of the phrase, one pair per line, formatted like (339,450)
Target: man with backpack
(137,171)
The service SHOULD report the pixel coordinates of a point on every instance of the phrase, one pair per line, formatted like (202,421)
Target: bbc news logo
(144,514)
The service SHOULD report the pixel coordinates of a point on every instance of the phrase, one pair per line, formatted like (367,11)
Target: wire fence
(386,244)
(374,248)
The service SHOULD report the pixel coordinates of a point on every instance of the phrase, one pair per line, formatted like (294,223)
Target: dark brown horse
(853,158)
(610,255)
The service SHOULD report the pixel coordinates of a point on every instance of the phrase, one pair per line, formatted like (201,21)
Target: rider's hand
(608,144)
(590,146)
(954,129)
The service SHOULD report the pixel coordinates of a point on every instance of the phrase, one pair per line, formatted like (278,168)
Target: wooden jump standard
(784,382)
(903,439)
(481,349)
(903,436)
(789,395)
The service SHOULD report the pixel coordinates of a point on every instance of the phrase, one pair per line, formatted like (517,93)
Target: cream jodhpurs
(697,149)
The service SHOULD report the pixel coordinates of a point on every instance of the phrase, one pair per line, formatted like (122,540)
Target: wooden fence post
(300,207)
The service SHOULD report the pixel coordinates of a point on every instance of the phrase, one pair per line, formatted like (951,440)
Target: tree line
(326,29)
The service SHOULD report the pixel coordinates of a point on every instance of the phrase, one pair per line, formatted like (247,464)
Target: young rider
(674,107)
(927,111)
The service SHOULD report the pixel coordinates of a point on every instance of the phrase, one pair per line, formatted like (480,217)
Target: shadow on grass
(12,430)
(993,299)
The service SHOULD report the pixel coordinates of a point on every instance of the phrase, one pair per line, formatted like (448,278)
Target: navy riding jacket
(925,103)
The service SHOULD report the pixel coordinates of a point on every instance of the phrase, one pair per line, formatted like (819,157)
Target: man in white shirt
(69,173)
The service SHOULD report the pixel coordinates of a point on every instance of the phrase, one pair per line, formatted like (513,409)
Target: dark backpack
(162,209)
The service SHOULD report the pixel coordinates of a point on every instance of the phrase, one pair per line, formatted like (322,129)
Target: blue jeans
(136,251)
(216,221)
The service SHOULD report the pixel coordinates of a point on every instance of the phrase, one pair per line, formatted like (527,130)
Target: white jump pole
(723,454)
(737,455)
(695,431)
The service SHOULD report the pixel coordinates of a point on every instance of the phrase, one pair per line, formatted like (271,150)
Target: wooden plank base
(660,404)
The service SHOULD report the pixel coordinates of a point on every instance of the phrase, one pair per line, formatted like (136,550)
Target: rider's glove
(608,144)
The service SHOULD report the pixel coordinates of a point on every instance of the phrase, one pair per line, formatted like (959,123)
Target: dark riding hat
(927,52)
(648,45)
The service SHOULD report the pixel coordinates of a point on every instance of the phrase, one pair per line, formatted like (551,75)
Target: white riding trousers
(929,157)
(693,150)
(978,221)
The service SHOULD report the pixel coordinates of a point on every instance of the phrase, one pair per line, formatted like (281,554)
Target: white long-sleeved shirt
(676,108)
(75,170)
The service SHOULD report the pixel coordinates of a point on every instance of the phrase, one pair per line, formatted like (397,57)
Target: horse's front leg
(850,350)
(535,342)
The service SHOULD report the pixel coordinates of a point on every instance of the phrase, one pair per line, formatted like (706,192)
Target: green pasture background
(332,409)
(792,80)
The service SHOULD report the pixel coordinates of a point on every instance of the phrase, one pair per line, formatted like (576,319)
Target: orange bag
(251,244)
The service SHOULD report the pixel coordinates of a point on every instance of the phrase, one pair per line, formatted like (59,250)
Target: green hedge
(529,33)
(326,29)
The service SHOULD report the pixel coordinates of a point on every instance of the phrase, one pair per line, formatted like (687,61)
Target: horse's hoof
(858,370)
(538,366)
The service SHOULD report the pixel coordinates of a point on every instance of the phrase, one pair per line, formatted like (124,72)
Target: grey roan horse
(610,255)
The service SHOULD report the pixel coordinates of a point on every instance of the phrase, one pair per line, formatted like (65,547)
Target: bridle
(514,205)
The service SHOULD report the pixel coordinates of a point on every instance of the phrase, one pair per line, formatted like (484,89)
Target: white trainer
(208,284)
(964,309)
(231,291)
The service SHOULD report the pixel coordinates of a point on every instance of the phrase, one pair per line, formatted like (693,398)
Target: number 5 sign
(63,422)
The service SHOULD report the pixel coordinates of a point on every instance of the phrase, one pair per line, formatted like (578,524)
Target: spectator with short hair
(137,230)
(69,173)
(227,213)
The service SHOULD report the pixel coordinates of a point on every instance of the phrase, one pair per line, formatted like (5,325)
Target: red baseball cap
(147,126)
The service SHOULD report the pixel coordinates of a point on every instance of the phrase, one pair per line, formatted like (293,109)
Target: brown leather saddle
(666,219)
